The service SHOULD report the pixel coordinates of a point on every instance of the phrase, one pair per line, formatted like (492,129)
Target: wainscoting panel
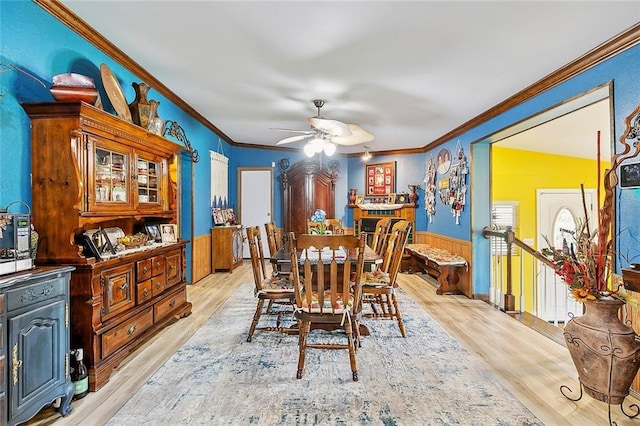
(462,248)
(201,257)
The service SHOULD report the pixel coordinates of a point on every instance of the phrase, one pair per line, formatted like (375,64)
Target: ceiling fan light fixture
(329,148)
(367,154)
(309,150)
(317,144)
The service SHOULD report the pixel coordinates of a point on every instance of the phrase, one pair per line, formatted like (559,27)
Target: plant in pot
(605,350)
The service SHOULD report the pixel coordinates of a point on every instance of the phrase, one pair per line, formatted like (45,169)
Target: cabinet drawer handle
(172,267)
(172,303)
(145,293)
(124,286)
(158,285)
(158,264)
(132,329)
(145,270)
(17,363)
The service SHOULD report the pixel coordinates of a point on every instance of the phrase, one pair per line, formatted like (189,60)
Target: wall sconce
(367,154)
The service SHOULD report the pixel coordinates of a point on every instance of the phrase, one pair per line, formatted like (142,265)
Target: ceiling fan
(325,134)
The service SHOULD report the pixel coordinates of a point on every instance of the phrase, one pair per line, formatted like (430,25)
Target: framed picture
(101,242)
(630,175)
(402,198)
(380,179)
(391,198)
(153,231)
(444,161)
(231,216)
(218,218)
(225,216)
(359,199)
(168,233)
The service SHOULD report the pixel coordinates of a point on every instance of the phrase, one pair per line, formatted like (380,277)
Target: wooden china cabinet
(92,170)
(307,186)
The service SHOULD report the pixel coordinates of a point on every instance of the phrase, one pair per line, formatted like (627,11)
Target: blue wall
(39,44)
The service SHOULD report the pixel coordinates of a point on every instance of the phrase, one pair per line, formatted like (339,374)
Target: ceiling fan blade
(358,135)
(331,127)
(306,132)
(293,139)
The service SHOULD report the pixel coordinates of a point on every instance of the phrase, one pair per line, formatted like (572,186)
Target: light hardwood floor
(531,366)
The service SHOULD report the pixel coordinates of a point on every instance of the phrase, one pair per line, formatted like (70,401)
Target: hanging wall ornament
(430,189)
(458,183)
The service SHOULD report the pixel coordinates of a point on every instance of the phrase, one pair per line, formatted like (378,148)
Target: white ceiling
(408,72)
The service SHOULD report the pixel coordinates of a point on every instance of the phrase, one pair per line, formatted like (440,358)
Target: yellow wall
(516,175)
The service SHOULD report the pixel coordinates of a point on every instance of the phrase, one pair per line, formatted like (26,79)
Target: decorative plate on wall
(115,93)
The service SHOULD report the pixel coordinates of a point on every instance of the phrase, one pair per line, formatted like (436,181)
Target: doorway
(559,214)
(256,201)
(553,149)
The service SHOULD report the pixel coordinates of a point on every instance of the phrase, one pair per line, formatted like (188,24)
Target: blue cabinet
(36,342)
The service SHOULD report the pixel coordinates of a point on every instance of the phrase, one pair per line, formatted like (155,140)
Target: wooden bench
(438,263)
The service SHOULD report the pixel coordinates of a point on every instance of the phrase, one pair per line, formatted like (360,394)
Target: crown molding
(601,53)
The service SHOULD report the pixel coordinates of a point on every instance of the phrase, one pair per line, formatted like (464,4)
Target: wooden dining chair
(379,287)
(273,241)
(275,288)
(380,235)
(332,225)
(328,293)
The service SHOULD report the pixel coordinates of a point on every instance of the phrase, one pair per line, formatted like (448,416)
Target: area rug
(217,378)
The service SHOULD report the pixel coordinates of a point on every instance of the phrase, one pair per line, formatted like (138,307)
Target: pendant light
(367,154)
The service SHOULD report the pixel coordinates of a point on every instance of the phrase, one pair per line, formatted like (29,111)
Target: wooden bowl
(69,94)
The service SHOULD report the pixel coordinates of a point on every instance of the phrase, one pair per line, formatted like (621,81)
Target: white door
(559,212)
(256,201)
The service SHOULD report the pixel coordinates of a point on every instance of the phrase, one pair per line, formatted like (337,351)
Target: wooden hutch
(306,186)
(92,170)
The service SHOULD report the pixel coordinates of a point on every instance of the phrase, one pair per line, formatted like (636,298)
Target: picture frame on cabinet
(101,241)
(218,218)
(168,233)
(359,199)
(89,248)
(231,217)
(153,231)
(225,216)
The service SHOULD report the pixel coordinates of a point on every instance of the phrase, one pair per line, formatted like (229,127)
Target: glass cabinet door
(149,180)
(111,177)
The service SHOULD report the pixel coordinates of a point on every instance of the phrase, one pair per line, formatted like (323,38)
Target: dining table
(371,259)
(282,261)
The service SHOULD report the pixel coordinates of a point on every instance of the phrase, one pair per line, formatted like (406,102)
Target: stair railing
(508,236)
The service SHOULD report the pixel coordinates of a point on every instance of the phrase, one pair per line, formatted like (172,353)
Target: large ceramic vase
(605,351)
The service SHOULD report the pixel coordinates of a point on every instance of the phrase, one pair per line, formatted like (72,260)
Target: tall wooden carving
(307,186)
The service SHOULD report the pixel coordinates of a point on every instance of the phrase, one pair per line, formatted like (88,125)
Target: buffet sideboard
(92,171)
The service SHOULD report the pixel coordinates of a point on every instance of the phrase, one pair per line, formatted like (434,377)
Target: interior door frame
(270,185)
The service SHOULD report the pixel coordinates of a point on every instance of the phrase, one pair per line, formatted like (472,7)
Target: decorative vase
(352,195)
(140,108)
(156,124)
(604,350)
